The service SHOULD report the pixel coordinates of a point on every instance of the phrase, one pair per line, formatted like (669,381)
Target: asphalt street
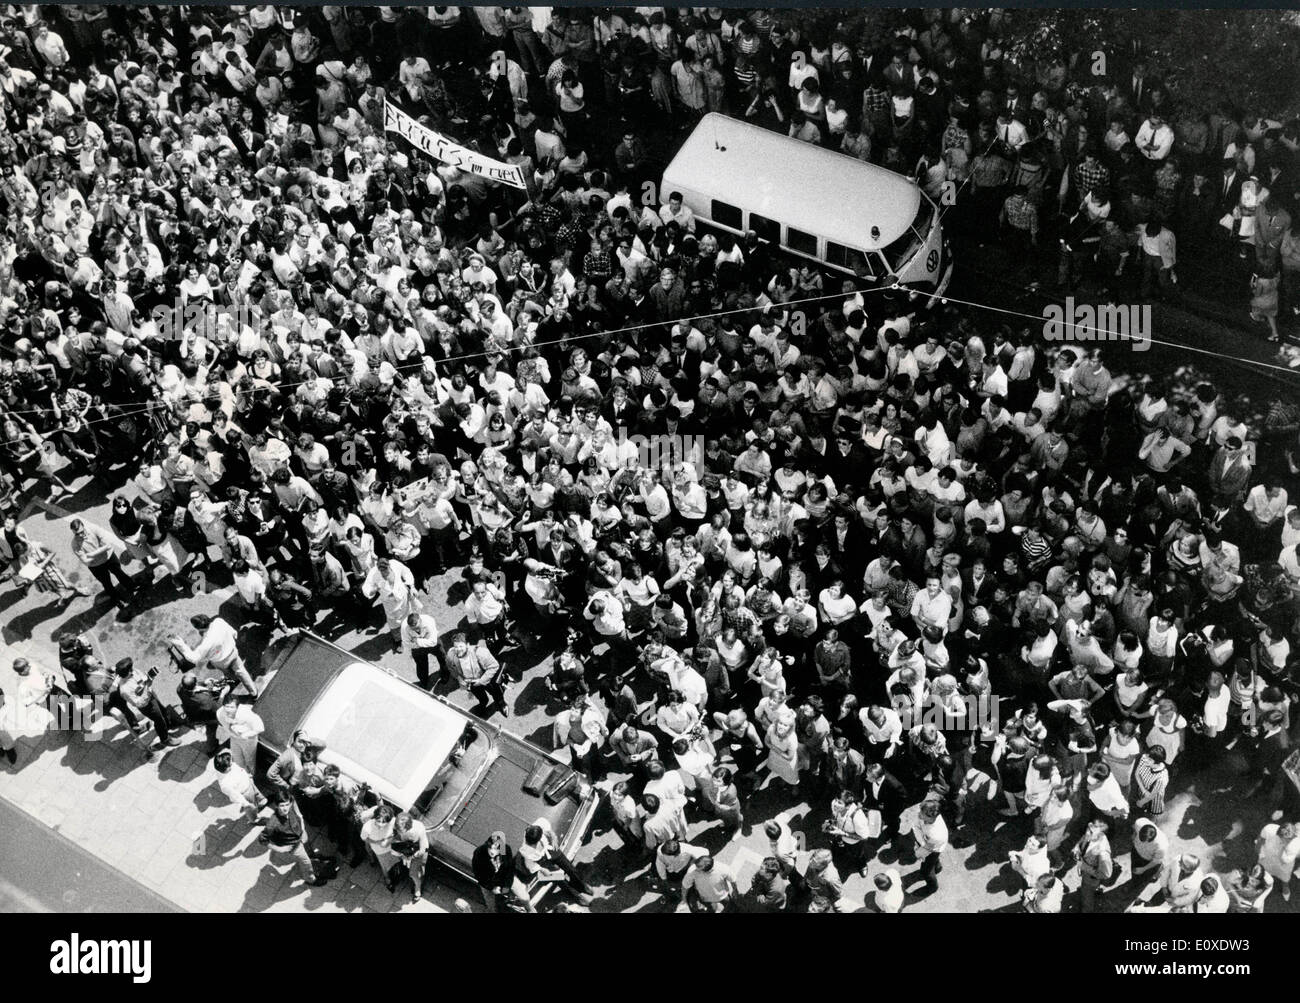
(44,871)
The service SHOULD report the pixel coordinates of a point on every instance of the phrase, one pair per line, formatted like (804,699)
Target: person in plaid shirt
(598,265)
(570,232)
(955,137)
(1090,175)
(875,103)
(1020,217)
(900,592)
(547,216)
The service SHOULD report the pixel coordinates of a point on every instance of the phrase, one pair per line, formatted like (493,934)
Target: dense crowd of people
(789,538)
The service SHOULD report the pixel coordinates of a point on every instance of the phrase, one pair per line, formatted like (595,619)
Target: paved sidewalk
(166,824)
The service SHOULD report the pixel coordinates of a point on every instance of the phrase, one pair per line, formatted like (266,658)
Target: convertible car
(463,777)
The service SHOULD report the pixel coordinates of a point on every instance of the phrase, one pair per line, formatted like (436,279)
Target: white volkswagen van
(850,216)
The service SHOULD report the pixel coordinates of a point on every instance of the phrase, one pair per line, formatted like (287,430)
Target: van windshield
(900,252)
(452,781)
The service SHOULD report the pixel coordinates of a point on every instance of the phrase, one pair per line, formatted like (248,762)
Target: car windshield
(913,238)
(449,786)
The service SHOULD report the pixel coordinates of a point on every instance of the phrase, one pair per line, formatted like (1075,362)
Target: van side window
(727,215)
(767,229)
(797,240)
(847,257)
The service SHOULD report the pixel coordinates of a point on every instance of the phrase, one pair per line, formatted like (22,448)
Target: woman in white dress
(767,709)
(209,516)
(1132,696)
(155,523)
(360,546)
(1120,753)
(768,671)
(377,832)
(783,747)
(1168,730)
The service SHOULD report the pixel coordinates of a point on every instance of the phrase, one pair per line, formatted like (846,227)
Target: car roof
(819,191)
(383,731)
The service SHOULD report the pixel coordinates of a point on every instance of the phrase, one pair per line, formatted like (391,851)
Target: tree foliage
(1250,58)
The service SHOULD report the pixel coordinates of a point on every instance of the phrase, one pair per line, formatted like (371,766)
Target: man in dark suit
(619,409)
(1015,103)
(672,425)
(747,410)
(883,792)
(848,458)
(1137,87)
(683,359)
(846,768)
(1228,193)
(1271,749)
(848,544)
(983,634)
(976,585)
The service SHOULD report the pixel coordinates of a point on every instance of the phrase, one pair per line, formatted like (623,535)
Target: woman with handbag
(378,830)
(720,793)
(851,830)
(162,545)
(1120,752)
(411,844)
(495,871)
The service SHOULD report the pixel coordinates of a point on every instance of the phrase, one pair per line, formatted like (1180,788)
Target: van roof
(815,190)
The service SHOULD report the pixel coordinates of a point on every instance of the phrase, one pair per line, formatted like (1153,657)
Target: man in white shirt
(1150,850)
(994,383)
(709,886)
(931,834)
(676,212)
(485,607)
(605,613)
(420,634)
(666,785)
(888,896)
(1011,131)
(933,606)
(236,783)
(884,730)
(239,724)
(1154,139)
(217,649)
(672,862)
(251,586)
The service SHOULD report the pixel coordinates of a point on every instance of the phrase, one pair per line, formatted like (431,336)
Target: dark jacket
(494,875)
(890,801)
